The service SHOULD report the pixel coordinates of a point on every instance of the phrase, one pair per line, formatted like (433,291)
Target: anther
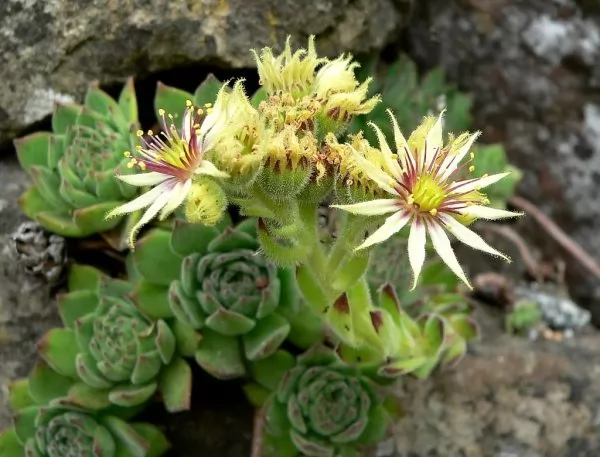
(161,112)
(188,103)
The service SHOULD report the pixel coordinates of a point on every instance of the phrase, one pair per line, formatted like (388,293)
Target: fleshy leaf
(266,337)
(220,356)
(207,91)
(128,102)
(188,238)
(351,271)
(131,395)
(32,203)
(256,394)
(129,441)
(155,260)
(152,300)
(58,348)
(172,100)
(24,421)
(311,290)
(76,304)
(229,323)
(33,150)
(88,397)
(187,338)
(92,219)
(18,395)
(268,372)
(64,115)
(45,384)
(60,223)
(10,445)
(175,385)
(84,277)
(48,183)
(157,442)
(259,96)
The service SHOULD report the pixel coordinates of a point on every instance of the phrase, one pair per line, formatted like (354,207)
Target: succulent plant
(219,285)
(404,344)
(73,167)
(323,407)
(118,354)
(49,421)
(410,98)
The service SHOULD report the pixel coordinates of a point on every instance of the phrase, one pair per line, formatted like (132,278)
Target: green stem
(317,260)
(346,242)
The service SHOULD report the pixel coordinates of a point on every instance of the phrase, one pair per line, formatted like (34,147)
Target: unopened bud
(206,203)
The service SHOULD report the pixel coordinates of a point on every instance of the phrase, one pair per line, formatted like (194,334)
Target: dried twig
(257,433)
(510,234)
(559,236)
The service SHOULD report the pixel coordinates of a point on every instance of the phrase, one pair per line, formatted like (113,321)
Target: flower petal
(392,225)
(144,200)
(416,248)
(371,207)
(461,187)
(208,168)
(433,141)
(382,179)
(485,212)
(434,136)
(178,194)
(401,143)
(187,124)
(390,162)
(150,214)
(468,236)
(442,246)
(144,179)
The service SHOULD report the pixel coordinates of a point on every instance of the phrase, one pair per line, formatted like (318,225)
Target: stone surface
(52,49)
(26,307)
(533,67)
(510,397)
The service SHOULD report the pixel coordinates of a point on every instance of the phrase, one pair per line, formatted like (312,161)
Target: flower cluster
(279,149)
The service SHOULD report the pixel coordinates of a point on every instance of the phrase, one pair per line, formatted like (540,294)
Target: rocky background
(533,67)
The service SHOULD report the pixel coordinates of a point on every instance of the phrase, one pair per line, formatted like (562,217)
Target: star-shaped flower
(431,193)
(170,160)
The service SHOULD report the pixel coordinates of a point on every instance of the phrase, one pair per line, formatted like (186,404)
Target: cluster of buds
(283,151)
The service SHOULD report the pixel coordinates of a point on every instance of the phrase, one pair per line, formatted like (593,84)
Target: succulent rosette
(323,407)
(220,288)
(50,421)
(122,356)
(73,167)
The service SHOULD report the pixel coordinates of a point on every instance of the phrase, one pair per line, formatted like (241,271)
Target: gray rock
(51,50)
(27,308)
(558,312)
(533,67)
(510,397)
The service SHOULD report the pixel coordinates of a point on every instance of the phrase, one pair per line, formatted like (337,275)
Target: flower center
(427,194)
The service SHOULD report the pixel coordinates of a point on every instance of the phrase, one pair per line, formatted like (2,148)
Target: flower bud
(288,165)
(206,203)
(353,184)
(292,73)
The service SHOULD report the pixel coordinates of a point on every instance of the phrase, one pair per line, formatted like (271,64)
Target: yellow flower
(430,193)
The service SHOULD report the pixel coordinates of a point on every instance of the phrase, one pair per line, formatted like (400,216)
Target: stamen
(188,103)
(140,133)
(161,112)
(127,154)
